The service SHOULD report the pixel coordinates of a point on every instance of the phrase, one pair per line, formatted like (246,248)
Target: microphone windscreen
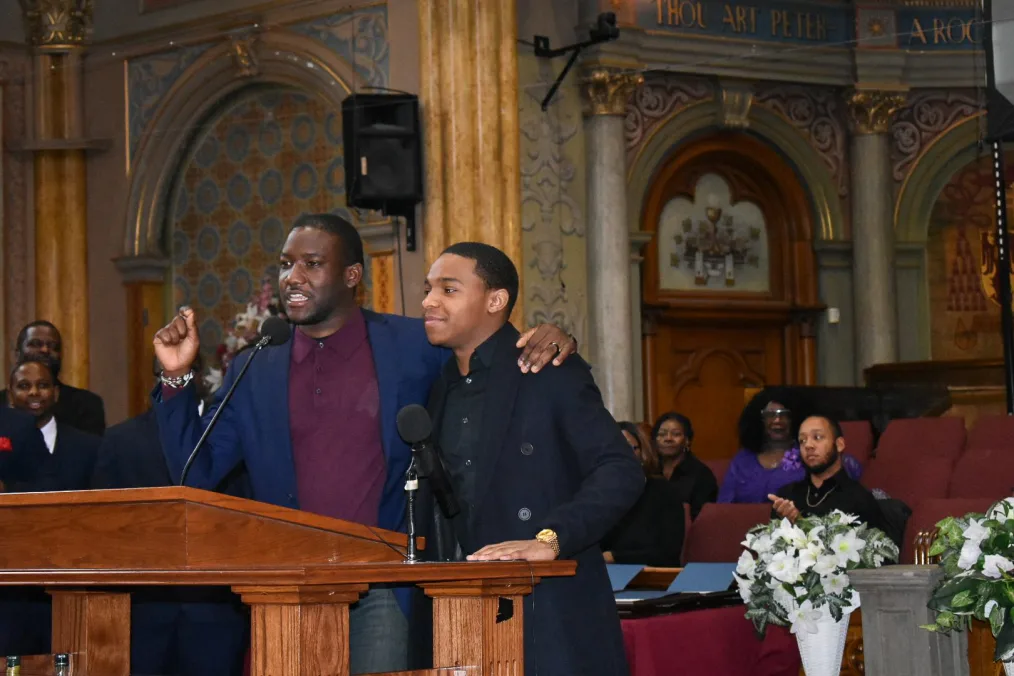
(277,330)
(414,424)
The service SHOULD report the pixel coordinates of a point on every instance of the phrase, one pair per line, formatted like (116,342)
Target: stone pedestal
(894,602)
(608,238)
(469,94)
(872,228)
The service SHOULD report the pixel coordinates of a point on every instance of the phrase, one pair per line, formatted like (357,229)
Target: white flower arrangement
(793,574)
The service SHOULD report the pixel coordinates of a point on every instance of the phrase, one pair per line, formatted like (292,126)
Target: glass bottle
(13,665)
(61,665)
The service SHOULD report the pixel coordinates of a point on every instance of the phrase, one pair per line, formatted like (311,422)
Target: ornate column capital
(57,23)
(871,110)
(605,92)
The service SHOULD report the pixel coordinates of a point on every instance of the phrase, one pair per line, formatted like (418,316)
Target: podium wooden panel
(299,573)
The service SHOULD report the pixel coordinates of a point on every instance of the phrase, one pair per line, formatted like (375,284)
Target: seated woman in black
(652,531)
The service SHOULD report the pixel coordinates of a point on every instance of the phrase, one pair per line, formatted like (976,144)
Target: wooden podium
(298,572)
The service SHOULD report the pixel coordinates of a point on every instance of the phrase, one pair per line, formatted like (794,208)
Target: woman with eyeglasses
(651,533)
(769,454)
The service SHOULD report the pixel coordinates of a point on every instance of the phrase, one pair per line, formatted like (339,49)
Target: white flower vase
(1008,668)
(822,652)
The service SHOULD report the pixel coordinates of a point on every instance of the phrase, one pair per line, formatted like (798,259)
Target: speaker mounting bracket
(604,30)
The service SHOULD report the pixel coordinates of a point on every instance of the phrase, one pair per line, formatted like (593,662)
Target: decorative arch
(706,115)
(940,160)
(282,58)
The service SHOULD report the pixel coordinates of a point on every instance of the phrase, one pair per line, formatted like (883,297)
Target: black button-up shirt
(837,492)
(461,423)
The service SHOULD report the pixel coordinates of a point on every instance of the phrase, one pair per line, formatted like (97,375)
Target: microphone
(416,429)
(274,331)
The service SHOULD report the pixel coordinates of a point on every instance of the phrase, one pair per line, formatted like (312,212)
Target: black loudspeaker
(383,154)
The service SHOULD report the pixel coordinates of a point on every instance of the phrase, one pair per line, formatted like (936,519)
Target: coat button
(527,448)
(524,514)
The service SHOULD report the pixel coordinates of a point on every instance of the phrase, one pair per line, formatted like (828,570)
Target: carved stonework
(661,96)
(737,98)
(606,92)
(871,110)
(817,113)
(244,55)
(57,23)
(552,204)
(927,115)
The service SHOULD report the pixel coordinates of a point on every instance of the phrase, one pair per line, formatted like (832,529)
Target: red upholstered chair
(983,473)
(992,431)
(930,512)
(858,439)
(718,531)
(719,468)
(910,480)
(917,438)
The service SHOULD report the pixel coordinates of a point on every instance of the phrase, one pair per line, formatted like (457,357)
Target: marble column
(469,94)
(58,31)
(638,240)
(873,228)
(608,237)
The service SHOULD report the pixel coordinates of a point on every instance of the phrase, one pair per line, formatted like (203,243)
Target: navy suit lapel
(501,393)
(271,401)
(386,364)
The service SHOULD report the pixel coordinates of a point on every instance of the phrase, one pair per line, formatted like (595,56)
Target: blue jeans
(378,634)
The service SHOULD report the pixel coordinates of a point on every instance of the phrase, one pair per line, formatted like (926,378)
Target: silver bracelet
(178,382)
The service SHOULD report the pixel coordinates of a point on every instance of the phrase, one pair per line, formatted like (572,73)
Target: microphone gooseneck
(416,429)
(274,331)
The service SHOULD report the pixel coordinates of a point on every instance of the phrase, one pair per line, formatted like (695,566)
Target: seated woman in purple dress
(769,455)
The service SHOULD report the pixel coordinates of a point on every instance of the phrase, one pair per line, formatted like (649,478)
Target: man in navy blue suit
(314,419)
(33,388)
(540,468)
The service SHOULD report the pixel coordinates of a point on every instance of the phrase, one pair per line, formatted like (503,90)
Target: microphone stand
(221,406)
(411,486)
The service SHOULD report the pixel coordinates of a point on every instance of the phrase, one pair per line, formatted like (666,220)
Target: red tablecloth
(714,642)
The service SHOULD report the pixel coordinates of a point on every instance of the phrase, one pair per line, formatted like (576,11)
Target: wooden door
(729,284)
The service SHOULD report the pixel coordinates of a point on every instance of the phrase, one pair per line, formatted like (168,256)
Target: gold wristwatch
(549,537)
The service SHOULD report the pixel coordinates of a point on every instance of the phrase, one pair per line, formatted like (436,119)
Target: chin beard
(824,466)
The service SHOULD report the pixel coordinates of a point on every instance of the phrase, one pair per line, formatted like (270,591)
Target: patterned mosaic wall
(266,159)
(965,323)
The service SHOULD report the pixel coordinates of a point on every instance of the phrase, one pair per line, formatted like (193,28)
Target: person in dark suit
(78,408)
(539,466)
(68,465)
(314,419)
(178,630)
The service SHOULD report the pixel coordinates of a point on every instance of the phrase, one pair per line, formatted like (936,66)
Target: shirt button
(321,344)
(464,421)
(468,463)
(468,381)
(318,390)
(320,370)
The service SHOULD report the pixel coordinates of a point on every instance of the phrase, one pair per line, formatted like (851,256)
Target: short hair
(649,455)
(352,243)
(831,422)
(31,360)
(23,333)
(493,266)
(688,428)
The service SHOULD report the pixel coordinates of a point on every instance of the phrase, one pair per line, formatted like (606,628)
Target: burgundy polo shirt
(334,417)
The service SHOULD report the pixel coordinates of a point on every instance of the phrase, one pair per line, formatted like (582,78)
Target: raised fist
(177,344)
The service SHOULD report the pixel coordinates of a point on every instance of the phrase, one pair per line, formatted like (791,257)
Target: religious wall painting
(709,242)
(961,252)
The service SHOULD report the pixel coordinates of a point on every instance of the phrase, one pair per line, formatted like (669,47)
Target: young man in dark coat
(539,467)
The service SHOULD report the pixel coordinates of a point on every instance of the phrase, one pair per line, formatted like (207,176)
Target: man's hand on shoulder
(515,550)
(544,344)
